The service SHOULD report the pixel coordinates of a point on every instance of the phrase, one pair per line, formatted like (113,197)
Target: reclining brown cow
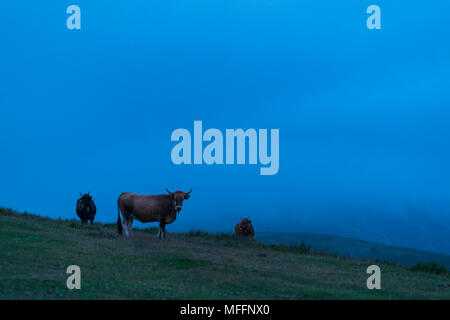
(162,208)
(245,229)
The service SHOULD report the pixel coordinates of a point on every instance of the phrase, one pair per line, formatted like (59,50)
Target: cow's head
(177,198)
(245,224)
(86,200)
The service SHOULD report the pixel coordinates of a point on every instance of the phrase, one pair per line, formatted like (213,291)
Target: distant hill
(35,253)
(354,248)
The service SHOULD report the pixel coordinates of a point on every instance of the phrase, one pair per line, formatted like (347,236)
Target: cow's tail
(119,222)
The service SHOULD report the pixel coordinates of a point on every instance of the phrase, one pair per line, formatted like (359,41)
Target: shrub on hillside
(303,248)
(197,233)
(431,267)
(7,212)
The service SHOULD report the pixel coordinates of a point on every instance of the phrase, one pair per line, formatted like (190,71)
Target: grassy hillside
(355,248)
(35,252)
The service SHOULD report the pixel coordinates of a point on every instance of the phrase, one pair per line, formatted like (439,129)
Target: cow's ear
(186,196)
(171,196)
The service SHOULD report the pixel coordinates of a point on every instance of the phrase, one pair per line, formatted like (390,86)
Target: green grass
(35,252)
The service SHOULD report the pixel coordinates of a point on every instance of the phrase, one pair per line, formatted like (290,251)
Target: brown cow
(162,208)
(245,229)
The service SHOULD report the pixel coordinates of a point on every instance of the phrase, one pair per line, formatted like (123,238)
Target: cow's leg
(130,226)
(125,227)
(162,229)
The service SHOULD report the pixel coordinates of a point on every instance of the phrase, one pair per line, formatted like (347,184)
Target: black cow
(86,209)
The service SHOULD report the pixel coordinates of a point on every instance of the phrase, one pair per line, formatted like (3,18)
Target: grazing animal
(86,209)
(245,229)
(162,208)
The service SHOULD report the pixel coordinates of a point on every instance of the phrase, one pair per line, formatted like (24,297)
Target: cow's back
(125,202)
(145,208)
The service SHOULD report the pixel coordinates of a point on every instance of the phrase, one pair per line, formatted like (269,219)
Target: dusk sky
(363,115)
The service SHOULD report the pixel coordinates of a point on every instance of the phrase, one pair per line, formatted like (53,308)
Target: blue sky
(363,115)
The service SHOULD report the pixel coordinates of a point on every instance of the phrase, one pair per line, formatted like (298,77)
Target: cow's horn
(188,192)
(168,191)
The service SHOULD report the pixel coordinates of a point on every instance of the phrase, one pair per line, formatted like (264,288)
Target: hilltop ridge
(355,248)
